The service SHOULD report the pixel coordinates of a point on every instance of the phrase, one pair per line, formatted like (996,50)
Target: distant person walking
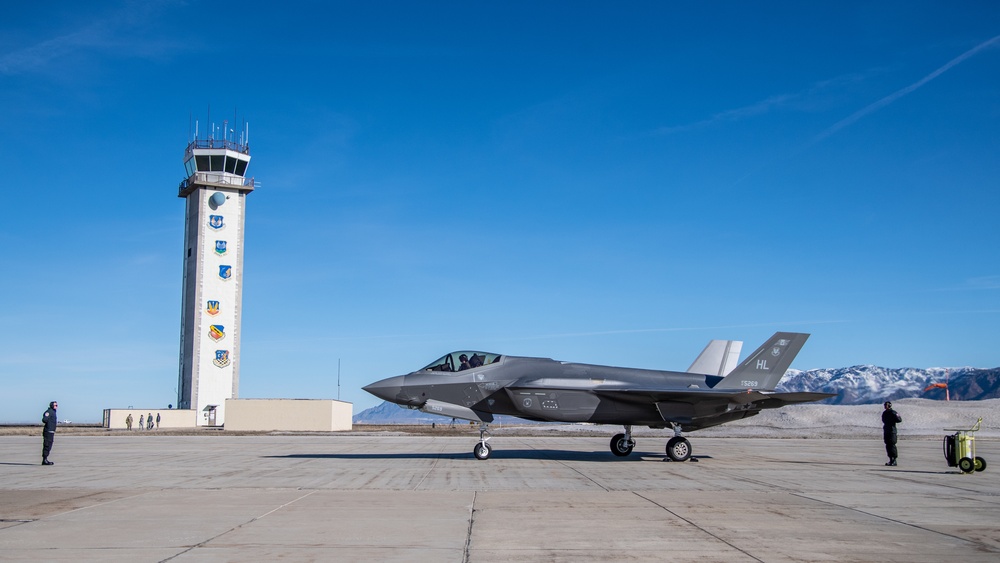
(149,421)
(128,421)
(157,421)
(890,419)
(141,423)
(49,421)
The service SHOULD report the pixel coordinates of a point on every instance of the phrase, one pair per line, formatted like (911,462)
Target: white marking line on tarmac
(99,504)
(980,545)
(237,527)
(698,527)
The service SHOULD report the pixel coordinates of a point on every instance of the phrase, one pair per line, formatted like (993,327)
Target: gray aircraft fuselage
(549,391)
(542,389)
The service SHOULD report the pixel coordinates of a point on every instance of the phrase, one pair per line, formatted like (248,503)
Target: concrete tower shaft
(215,193)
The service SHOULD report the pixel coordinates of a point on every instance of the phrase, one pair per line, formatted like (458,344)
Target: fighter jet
(478,386)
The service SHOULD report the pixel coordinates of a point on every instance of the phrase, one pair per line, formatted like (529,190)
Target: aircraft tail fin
(718,358)
(763,369)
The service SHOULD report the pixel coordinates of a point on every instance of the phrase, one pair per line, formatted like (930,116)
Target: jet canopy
(460,361)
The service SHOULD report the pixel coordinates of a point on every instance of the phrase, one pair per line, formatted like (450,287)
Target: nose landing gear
(482,449)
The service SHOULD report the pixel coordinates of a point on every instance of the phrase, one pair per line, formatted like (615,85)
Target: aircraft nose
(389,389)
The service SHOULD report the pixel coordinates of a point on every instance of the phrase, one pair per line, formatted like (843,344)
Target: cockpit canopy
(461,361)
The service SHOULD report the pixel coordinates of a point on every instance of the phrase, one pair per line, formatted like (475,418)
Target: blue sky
(586,181)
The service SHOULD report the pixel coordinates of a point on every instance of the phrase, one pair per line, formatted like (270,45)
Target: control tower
(215,202)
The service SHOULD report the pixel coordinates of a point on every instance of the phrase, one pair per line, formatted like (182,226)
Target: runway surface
(562,498)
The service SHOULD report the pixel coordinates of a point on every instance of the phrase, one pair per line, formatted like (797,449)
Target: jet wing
(692,407)
(764,400)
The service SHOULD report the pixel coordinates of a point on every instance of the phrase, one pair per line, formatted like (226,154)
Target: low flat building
(293,415)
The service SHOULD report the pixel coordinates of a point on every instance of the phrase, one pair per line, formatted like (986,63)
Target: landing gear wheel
(679,449)
(620,446)
(980,464)
(482,451)
(966,465)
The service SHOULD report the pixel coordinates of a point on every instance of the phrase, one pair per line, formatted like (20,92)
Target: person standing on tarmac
(49,421)
(890,419)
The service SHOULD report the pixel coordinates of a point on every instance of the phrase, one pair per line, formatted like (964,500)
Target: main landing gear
(623,444)
(678,447)
(482,449)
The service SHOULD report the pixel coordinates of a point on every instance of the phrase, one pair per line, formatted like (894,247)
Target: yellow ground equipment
(960,449)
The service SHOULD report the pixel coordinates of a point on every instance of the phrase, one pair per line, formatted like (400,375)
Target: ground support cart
(960,449)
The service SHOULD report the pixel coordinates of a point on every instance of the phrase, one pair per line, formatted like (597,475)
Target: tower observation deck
(214,191)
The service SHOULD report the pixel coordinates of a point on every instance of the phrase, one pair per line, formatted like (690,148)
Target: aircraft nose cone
(390,389)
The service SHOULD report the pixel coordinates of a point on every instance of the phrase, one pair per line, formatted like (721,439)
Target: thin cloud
(673,329)
(871,108)
(978,283)
(120,34)
(759,108)
(815,97)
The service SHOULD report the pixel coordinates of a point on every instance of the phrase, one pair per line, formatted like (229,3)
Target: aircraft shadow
(556,455)
(25,464)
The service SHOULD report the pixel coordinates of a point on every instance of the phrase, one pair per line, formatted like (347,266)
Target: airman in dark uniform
(890,419)
(49,421)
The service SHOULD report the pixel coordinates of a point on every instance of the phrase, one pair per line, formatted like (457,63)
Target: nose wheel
(482,449)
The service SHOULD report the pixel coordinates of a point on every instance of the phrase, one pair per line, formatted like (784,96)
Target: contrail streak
(904,91)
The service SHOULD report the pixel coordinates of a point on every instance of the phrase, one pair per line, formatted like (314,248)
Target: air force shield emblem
(216,222)
(225,272)
(220,247)
(212,308)
(216,332)
(221,358)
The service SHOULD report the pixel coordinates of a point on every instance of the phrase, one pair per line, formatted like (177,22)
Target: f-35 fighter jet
(477,386)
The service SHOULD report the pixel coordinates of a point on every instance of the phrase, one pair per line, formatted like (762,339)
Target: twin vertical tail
(763,369)
(718,358)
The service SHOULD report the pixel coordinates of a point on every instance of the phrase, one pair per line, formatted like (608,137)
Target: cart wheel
(966,465)
(980,464)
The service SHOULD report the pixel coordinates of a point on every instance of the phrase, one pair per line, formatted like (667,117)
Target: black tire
(482,451)
(966,465)
(620,446)
(980,464)
(679,449)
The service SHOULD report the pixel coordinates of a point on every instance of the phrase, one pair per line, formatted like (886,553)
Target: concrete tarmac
(387,497)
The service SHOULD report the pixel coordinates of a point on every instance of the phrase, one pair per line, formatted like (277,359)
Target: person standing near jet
(49,421)
(890,419)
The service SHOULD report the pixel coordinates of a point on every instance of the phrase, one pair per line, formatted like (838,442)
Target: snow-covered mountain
(856,385)
(872,384)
